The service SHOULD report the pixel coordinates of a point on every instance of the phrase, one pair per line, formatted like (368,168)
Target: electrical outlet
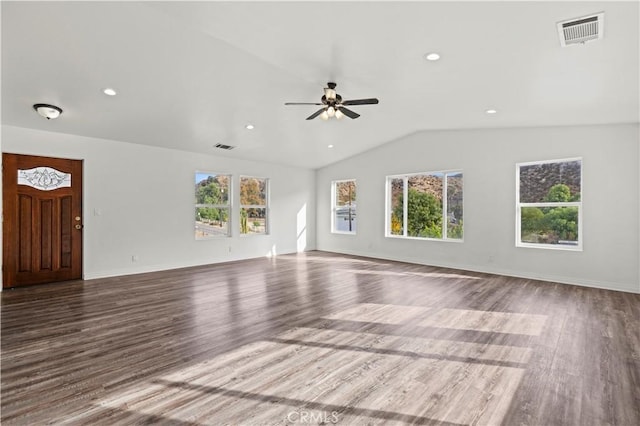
(134,258)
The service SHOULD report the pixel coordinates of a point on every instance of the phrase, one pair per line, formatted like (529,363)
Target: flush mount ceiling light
(249,126)
(491,111)
(433,56)
(109,91)
(48,111)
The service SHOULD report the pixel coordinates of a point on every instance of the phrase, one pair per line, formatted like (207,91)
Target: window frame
(334,206)
(227,206)
(267,190)
(520,205)
(405,200)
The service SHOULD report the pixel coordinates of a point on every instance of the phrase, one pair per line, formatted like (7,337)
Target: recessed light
(109,91)
(330,146)
(491,111)
(433,56)
(249,127)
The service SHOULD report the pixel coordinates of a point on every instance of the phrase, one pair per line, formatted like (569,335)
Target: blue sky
(200,176)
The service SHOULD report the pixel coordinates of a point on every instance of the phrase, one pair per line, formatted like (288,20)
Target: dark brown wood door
(42,228)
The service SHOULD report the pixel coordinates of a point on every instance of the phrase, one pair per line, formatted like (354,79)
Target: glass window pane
(345,219)
(424,208)
(344,206)
(345,193)
(396,223)
(253,221)
(253,191)
(454,206)
(211,222)
(549,225)
(44,178)
(550,182)
(212,188)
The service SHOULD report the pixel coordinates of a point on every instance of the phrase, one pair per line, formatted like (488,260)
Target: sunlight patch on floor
(412,274)
(408,346)
(498,322)
(360,376)
(382,314)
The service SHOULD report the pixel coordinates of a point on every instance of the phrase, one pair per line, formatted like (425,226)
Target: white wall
(488,157)
(145,199)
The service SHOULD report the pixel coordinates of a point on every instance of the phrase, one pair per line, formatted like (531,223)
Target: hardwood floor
(319,338)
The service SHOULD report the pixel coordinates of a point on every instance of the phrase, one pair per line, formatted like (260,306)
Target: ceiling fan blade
(370,101)
(302,103)
(348,112)
(315,114)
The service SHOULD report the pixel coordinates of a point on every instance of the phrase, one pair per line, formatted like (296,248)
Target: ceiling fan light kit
(333,106)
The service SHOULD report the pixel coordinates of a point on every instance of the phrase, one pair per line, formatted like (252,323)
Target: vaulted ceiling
(189,75)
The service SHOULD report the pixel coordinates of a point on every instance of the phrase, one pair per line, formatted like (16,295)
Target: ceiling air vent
(223,146)
(581,30)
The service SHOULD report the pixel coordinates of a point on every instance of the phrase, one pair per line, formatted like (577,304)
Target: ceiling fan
(333,105)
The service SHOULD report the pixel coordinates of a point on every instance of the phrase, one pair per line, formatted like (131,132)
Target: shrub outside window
(254,205)
(343,195)
(425,205)
(549,204)
(212,205)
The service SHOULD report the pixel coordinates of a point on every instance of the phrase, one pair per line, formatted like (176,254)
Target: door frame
(4,244)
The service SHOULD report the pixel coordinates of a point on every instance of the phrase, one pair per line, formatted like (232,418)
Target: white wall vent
(223,146)
(581,30)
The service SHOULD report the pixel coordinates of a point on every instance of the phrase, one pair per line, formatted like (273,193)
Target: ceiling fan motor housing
(331,100)
(330,92)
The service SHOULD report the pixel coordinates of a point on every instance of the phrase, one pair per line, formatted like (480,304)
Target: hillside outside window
(549,204)
(425,205)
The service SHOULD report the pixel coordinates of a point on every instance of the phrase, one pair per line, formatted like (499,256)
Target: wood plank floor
(319,338)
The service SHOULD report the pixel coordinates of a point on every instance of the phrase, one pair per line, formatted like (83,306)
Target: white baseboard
(143,269)
(605,285)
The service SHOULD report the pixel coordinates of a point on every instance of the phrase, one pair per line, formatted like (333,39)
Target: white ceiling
(193,74)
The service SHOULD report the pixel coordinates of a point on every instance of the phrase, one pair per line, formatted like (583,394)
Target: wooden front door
(42,227)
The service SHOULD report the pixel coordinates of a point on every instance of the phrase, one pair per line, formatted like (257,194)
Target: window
(344,206)
(548,204)
(213,206)
(254,208)
(425,205)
